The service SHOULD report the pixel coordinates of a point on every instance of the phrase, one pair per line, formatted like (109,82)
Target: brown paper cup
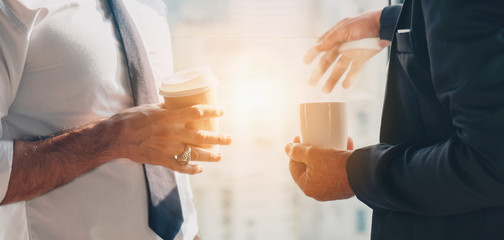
(189,88)
(209,98)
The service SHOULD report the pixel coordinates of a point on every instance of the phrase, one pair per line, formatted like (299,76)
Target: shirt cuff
(6,154)
(388,21)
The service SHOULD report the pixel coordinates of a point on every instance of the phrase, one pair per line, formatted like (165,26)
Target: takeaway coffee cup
(324,124)
(188,88)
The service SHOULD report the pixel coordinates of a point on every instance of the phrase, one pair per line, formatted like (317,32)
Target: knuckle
(340,65)
(198,112)
(201,137)
(325,62)
(180,169)
(313,193)
(320,198)
(345,60)
(189,169)
(174,116)
(169,133)
(294,169)
(309,192)
(310,152)
(177,149)
(195,155)
(185,169)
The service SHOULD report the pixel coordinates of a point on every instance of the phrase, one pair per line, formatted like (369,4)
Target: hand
(366,25)
(153,135)
(320,172)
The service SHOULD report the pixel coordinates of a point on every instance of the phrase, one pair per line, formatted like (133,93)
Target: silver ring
(185,157)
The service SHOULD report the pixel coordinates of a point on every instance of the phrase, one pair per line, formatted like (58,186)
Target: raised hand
(335,47)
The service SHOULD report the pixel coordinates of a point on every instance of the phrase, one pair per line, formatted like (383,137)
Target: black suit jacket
(438,171)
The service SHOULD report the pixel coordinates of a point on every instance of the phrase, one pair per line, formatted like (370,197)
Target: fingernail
(200,169)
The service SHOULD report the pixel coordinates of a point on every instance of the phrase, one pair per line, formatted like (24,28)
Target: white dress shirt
(61,67)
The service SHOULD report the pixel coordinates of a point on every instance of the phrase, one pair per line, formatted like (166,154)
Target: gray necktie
(165,212)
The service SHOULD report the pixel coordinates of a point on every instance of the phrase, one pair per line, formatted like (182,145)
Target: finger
(297,139)
(203,155)
(350,144)
(324,64)
(172,148)
(203,138)
(310,55)
(297,171)
(326,41)
(195,113)
(353,73)
(297,152)
(188,169)
(327,33)
(332,40)
(338,71)
(197,154)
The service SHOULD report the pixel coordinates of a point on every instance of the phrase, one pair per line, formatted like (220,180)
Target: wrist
(128,130)
(375,17)
(110,146)
(346,184)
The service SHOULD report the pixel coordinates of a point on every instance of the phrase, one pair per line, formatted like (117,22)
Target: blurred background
(255,48)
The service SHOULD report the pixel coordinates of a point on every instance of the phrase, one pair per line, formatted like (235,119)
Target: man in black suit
(438,171)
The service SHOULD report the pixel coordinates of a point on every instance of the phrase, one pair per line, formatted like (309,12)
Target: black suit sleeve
(465,173)
(388,21)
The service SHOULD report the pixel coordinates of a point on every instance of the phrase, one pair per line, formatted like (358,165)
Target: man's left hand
(320,172)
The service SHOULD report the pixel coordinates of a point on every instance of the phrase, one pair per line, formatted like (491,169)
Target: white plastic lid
(188,82)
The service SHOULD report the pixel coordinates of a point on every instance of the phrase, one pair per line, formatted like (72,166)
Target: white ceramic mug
(324,124)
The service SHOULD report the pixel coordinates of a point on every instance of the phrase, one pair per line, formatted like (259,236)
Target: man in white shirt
(62,69)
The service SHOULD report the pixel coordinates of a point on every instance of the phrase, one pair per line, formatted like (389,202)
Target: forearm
(443,179)
(146,134)
(40,166)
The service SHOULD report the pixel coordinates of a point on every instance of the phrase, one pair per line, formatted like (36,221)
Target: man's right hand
(153,135)
(366,25)
(145,134)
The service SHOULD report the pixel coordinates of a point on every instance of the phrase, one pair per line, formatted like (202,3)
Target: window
(255,48)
